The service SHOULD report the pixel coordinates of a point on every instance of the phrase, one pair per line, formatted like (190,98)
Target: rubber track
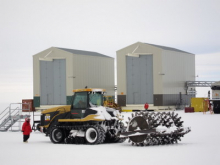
(84,128)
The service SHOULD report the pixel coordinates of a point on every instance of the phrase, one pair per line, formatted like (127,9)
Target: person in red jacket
(26,129)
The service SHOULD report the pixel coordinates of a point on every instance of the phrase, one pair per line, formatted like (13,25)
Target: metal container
(189,109)
(28,105)
(199,104)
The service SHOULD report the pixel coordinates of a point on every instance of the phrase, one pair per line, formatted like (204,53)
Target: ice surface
(199,147)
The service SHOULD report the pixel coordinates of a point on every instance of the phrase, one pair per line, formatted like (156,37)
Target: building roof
(83,52)
(168,48)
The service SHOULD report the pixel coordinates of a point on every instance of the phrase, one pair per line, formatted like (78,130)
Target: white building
(57,71)
(153,74)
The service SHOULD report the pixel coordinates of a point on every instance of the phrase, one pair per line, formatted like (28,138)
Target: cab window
(80,100)
(95,99)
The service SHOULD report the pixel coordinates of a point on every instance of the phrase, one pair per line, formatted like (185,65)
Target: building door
(53,82)
(139,79)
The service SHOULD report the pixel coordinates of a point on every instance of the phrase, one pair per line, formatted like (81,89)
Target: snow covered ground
(199,147)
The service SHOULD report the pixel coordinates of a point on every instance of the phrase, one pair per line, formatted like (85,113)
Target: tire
(95,135)
(56,135)
(102,135)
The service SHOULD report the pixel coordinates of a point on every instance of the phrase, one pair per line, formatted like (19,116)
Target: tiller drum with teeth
(154,128)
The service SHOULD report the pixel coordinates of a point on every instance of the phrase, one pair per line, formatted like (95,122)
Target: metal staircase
(11,115)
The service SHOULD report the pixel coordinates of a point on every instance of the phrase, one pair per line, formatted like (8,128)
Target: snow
(201,147)
(102,113)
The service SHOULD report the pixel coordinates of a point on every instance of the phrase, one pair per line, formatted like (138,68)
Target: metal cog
(142,128)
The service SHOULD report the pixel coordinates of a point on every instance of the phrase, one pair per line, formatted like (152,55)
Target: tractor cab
(84,99)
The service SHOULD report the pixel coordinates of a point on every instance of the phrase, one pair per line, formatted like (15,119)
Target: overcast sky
(105,26)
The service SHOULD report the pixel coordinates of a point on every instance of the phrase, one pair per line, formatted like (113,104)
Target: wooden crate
(28,105)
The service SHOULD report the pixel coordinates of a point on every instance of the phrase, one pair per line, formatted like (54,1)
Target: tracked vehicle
(86,120)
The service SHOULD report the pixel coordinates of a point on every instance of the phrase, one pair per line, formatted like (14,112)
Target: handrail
(4,110)
(11,115)
(14,110)
(8,112)
(4,115)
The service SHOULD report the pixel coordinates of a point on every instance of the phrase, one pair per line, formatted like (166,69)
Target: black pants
(25,138)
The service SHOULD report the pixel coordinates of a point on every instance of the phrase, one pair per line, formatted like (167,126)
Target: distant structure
(153,74)
(57,71)
(216,97)
(216,90)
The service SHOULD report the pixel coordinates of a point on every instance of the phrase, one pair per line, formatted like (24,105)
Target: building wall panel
(177,68)
(53,82)
(93,72)
(139,79)
(59,75)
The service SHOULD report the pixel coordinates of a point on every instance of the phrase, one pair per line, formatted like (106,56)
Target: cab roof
(89,90)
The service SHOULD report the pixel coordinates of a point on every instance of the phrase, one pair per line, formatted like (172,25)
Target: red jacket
(26,128)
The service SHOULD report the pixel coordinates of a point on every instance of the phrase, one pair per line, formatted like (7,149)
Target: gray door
(139,79)
(53,82)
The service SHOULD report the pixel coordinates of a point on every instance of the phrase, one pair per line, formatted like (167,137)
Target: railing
(199,83)
(2,114)
(11,115)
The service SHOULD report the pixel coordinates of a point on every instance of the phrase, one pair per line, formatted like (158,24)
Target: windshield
(95,99)
(80,100)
